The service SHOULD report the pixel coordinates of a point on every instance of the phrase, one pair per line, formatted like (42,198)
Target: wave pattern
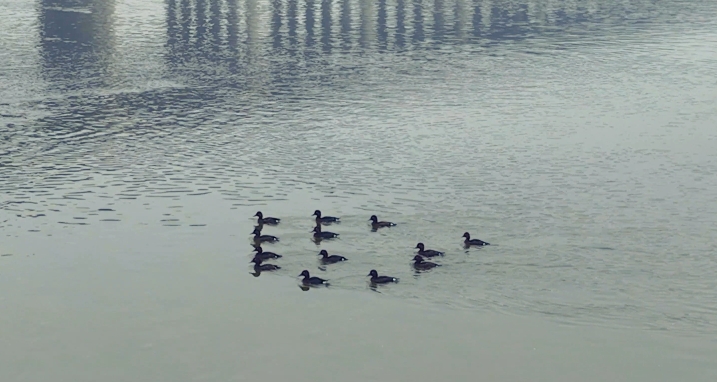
(566,134)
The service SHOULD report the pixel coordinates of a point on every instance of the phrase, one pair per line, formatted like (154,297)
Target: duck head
(374,218)
(418,259)
(317,213)
(373,273)
(420,246)
(305,274)
(259,215)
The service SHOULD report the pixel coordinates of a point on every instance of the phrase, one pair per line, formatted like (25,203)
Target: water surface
(137,139)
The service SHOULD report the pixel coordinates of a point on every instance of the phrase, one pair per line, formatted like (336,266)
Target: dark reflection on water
(449,115)
(76,42)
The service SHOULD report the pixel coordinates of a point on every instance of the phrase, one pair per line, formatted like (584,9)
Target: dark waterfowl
(266,220)
(264,255)
(376,279)
(377,224)
(326,259)
(259,238)
(259,267)
(308,280)
(421,264)
(318,234)
(325,219)
(427,252)
(468,241)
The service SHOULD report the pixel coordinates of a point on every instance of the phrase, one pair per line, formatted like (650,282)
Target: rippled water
(579,137)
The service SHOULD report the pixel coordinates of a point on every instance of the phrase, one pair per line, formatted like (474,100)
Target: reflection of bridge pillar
(233,26)
(309,21)
(400,23)
(77,42)
(326,25)
(215,24)
(292,22)
(345,24)
(382,27)
(276,23)
(200,18)
(439,20)
(417,36)
(185,20)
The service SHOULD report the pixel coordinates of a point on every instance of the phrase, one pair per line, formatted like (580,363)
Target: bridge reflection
(76,43)
(223,40)
(383,25)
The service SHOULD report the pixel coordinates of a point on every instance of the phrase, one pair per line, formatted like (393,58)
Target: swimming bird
(259,238)
(427,252)
(377,224)
(325,219)
(421,264)
(264,255)
(266,220)
(376,279)
(326,259)
(259,267)
(323,234)
(308,280)
(468,241)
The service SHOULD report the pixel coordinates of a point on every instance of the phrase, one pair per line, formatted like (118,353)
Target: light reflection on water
(576,137)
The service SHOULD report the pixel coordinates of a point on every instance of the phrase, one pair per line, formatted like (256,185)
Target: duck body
(265,256)
(325,219)
(473,242)
(308,280)
(379,224)
(259,267)
(326,259)
(266,220)
(261,254)
(427,252)
(421,264)
(319,234)
(259,238)
(376,279)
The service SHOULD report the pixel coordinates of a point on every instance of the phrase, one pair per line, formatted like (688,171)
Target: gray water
(137,139)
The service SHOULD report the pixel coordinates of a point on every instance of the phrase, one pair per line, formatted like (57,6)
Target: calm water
(137,138)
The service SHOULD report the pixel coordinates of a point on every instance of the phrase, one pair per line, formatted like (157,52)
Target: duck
(259,238)
(468,241)
(427,252)
(376,279)
(260,254)
(259,267)
(377,224)
(323,234)
(266,220)
(308,280)
(326,259)
(421,264)
(325,219)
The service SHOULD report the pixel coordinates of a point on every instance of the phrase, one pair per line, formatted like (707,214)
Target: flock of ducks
(419,262)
